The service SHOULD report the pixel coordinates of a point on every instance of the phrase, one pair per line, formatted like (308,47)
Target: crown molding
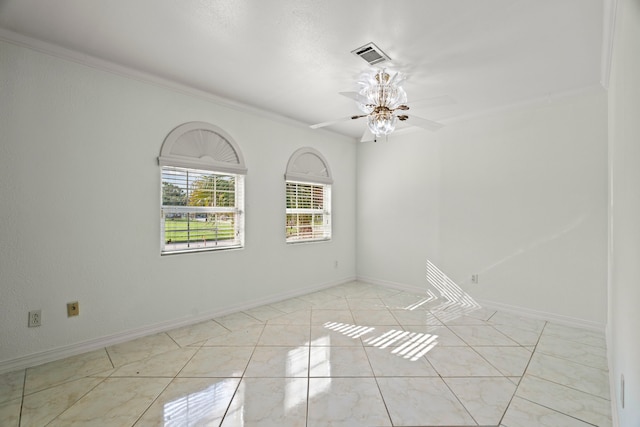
(100,64)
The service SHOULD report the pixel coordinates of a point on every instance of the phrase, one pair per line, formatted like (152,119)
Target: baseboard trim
(521,311)
(393,285)
(544,315)
(51,355)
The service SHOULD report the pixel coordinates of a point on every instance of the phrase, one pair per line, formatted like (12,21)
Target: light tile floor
(352,355)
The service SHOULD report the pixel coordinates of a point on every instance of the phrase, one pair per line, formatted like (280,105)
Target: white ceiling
(292,57)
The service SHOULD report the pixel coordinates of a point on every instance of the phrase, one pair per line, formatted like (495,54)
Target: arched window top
(201,145)
(308,165)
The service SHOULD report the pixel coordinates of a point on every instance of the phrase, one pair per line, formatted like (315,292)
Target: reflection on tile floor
(352,355)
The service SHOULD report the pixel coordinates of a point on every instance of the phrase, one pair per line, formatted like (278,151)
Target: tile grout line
(524,372)
(558,412)
(77,400)
(242,377)
(176,342)
(491,364)
(306,415)
(113,365)
(460,401)
(24,387)
(198,349)
(375,378)
(174,377)
(218,323)
(542,351)
(569,387)
(442,378)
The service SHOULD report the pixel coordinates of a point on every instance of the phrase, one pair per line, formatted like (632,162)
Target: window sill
(199,250)
(296,242)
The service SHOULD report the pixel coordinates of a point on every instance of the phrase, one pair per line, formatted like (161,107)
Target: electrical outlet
(73,309)
(35,318)
(474,278)
(335,264)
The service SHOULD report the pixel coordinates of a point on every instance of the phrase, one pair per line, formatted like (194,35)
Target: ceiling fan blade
(321,125)
(436,101)
(423,123)
(343,119)
(356,97)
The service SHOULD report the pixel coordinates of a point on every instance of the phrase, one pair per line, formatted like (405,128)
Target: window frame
(205,150)
(308,167)
(324,212)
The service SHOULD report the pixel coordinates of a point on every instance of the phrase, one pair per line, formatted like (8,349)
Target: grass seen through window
(199,209)
(188,228)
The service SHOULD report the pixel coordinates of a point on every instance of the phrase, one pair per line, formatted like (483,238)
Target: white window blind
(308,212)
(201,210)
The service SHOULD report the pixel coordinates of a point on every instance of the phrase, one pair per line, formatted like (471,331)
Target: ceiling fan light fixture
(382,123)
(381,97)
(382,90)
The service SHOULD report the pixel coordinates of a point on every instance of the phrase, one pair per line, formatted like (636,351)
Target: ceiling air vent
(371,53)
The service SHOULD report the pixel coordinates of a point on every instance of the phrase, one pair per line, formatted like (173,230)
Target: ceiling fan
(383,102)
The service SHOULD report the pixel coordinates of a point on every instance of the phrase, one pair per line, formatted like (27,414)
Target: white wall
(517,197)
(79,184)
(624,151)
(398,208)
(524,206)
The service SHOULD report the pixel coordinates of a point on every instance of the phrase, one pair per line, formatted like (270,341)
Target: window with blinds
(201,210)
(308,213)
